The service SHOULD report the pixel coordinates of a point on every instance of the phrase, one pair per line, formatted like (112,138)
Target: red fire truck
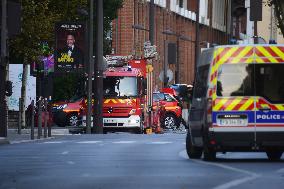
(125,96)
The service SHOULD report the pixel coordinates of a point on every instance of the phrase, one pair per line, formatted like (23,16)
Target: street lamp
(179,37)
(139,27)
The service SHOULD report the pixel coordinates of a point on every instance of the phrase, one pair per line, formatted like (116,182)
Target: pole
(197,37)
(20,117)
(39,118)
(98,92)
(33,121)
(255,33)
(151,22)
(46,116)
(3,74)
(177,66)
(165,79)
(90,67)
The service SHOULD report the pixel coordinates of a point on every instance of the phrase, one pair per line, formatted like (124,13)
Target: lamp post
(178,38)
(3,71)
(98,91)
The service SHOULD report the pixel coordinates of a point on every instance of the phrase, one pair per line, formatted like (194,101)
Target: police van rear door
(269,92)
(234,103)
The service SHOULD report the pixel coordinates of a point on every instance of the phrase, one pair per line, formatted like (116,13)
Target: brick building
(178,16)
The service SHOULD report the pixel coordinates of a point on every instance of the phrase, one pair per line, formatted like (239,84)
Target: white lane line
(89,142)
(53,142)
(236,182)
(232,183)
(124,142)
(161,142)
(280,170)
(65,152)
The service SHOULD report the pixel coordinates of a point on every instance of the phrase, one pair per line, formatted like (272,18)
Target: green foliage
(279,13)
(65,87)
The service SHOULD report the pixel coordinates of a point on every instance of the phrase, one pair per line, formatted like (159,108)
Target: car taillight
(209,111)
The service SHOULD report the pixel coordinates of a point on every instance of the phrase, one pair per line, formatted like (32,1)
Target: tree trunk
(23,94)
(279,12)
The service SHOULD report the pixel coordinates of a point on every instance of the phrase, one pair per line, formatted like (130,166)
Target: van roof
(259,53)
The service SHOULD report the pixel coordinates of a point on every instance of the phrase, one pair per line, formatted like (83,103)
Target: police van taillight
(209,110)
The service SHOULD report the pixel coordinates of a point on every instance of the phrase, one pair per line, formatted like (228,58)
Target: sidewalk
(13,137)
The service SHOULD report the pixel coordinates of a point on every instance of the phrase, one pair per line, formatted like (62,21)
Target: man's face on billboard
(70,40)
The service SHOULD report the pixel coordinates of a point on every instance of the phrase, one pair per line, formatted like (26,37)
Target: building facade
(179,17)
(267,28)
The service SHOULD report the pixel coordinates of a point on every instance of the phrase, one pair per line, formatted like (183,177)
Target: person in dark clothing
(71,56)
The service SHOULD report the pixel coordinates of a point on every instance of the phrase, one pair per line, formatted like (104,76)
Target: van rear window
(235,80)
(263,80)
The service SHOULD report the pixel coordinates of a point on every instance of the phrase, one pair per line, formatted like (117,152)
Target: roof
(259,53)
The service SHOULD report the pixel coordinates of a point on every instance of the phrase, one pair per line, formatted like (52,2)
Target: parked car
(65,113)
(173,111)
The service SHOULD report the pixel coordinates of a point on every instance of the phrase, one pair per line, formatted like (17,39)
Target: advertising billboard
(15,75)
(70,47)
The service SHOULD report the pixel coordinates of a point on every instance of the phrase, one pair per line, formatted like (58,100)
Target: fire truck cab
(124,98)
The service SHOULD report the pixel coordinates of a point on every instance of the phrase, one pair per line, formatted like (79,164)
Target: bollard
(49,125)
(20,117)
(33,121)
(39,118)
(45,118)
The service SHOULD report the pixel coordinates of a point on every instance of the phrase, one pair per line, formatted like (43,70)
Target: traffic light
(9,88)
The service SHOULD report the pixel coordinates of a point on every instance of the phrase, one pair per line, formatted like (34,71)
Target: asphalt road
(129,161)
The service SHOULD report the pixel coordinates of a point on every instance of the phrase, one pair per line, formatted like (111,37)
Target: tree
(279,13)
(38,20)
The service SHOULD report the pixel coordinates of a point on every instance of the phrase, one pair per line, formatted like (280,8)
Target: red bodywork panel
(122,71)
(139,64)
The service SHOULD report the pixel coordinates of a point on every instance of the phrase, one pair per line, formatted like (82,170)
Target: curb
(26,141)
(4,140)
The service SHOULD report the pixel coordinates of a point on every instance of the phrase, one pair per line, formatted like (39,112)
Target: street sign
(170,75)
(150,51)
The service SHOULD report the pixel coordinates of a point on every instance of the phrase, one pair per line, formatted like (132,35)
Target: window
(120,86)
(235,80)
(201,81)
(158,96)
(264,80)
(169,98)
(181,3)
(269,82)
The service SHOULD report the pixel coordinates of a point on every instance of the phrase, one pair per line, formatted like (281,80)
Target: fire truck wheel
(170,121)
(72,119)
(274,155)
(193,152)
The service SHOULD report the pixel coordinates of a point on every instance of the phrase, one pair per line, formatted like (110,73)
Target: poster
(70,47)
(15,75)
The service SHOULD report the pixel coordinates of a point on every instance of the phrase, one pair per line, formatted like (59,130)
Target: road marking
(65,152)
(53,142)
(232,183)
(280,170)
(71,162)
(124,142)
(89,142)
(161,142)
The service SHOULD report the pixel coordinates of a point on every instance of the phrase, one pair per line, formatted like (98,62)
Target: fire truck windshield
(116,86)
